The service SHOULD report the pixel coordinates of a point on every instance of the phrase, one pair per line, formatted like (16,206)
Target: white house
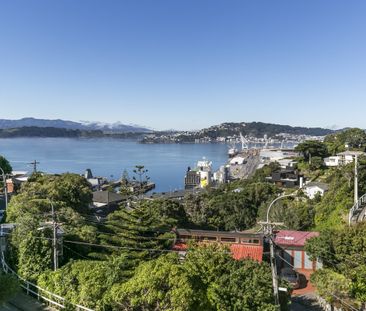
(332,161)
(314,188)
(342,158)
(347,157)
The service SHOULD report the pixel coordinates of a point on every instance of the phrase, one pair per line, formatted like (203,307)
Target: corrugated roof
(238,251)
(242,251)
(293,238)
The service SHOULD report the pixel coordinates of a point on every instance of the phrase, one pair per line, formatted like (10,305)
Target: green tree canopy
(235,207)
(143,229)
(354,138)
(5,165)
(312,148)
(86,282)
(208,279)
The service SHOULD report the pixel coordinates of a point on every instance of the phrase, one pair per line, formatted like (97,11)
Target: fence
(52,299)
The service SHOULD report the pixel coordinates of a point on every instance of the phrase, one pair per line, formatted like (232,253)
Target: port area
(243,164)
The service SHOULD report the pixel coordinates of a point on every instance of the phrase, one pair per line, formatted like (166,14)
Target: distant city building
(201,176)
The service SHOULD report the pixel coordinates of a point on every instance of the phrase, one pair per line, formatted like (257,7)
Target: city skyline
(184,65)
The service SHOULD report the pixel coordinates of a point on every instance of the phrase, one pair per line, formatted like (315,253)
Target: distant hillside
(62,124)
(34,131)
(259,129)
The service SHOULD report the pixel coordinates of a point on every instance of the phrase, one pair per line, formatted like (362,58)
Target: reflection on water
(167,163)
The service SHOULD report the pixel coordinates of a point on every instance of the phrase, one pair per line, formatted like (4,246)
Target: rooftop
(320,185)
(294,238)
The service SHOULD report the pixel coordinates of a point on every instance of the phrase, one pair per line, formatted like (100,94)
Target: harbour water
(167,163)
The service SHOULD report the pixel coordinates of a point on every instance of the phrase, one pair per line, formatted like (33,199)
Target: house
(290,250)
(332,161)
(314,188)
(96,182)
(242,244)
(287,178)
(16,179)
(105,202)
(342,158)
(347,157)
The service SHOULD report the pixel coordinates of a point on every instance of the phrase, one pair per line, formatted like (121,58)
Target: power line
(75,252)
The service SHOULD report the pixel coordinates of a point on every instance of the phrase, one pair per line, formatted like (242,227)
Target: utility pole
(5,188)
(356,180)
(268,231)
(34,163)
(54,240)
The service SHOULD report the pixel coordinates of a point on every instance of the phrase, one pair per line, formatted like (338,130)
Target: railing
(360,202)
(32,289)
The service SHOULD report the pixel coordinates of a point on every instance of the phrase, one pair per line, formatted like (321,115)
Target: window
(185,237)
(250,241)
(228,240)
(209,238)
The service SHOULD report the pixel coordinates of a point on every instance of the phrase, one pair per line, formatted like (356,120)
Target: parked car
(291,276)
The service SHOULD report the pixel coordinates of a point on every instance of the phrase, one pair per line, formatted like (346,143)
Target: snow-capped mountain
(116,127)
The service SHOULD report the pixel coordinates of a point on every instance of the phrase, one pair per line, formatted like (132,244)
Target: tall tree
(311,149)
(142,230)
(5,165)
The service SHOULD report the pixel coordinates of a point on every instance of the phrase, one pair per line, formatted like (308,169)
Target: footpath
(22,302)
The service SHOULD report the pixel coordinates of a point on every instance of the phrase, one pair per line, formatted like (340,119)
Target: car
(291,276)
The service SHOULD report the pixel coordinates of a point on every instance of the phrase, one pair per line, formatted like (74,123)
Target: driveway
(305,303)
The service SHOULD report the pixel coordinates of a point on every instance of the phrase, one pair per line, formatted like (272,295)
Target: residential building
(287,178)
(105,202)
(342,158)
(291,253)
(313,188)
(242,245)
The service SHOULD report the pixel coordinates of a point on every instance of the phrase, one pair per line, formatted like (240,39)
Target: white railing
(360,202)
(32,289)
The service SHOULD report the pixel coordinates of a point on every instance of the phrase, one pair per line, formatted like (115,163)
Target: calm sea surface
(167,163)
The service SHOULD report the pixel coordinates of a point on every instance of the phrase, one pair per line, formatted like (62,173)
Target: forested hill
(258,129)
(116,127)
(34,131)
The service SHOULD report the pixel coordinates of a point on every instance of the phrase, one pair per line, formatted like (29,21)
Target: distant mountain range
(31,127)
(71,125)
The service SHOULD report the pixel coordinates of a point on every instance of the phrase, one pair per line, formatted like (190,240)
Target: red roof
(293,238)
(238,251)
(180,247)
(242,251)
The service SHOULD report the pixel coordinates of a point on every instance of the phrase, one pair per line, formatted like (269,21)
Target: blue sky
(184,64)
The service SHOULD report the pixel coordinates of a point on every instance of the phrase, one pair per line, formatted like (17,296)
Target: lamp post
(268,227)
(5,188)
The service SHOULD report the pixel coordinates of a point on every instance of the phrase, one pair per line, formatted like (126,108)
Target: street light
(268,231)
(5,188)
